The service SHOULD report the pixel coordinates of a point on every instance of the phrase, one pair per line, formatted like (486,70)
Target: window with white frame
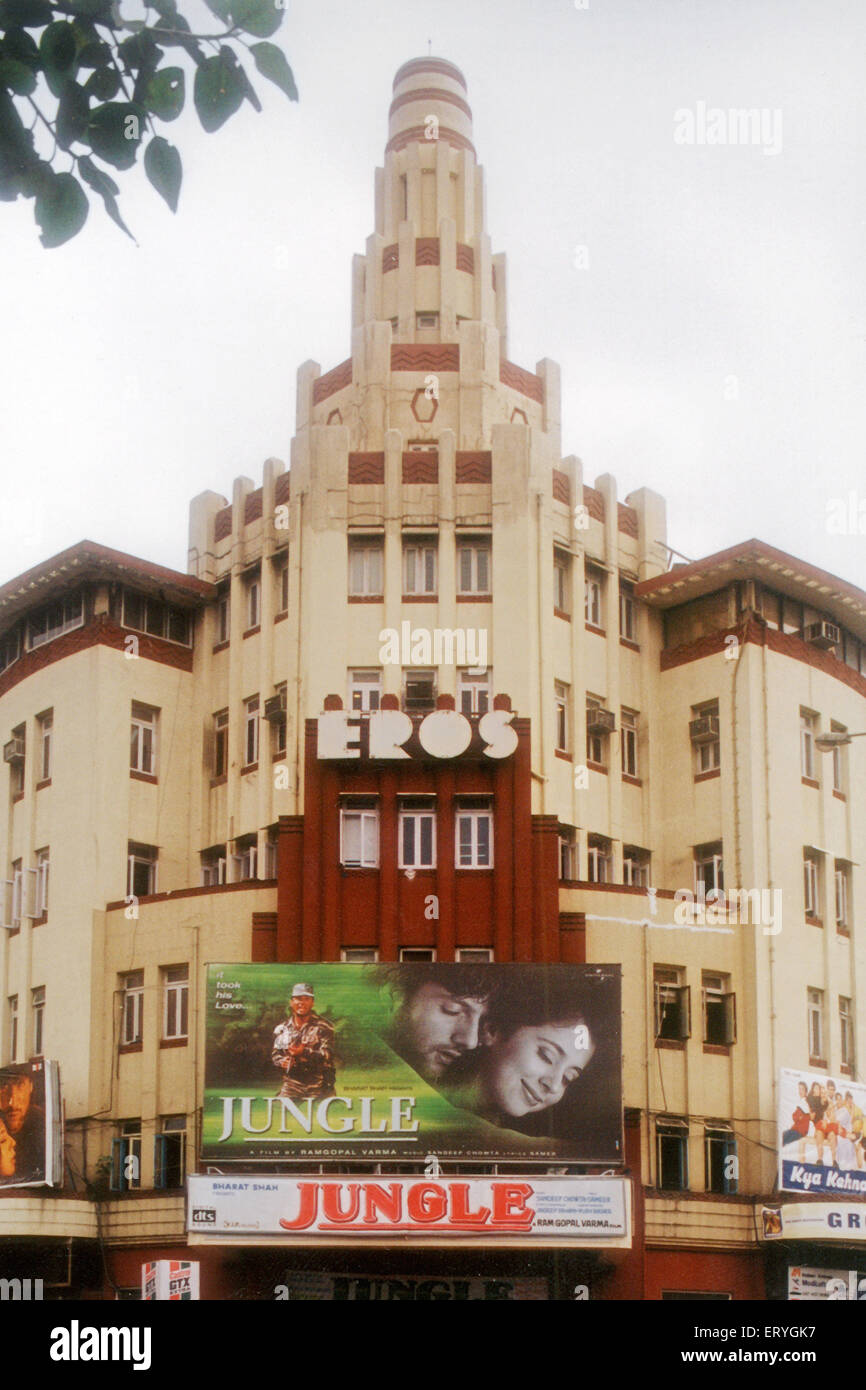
(473,567)
(220,743)
(251,731)
(812,883)
(562,581)
(365,691)
(706,742)
(142,745)
(672,1003)
(272,845)
(253,600)
(474,692)
(841,879)
(223,616)
(594,597)
(131,1007)
(672,1154)
(10,648)
(414,954)
(419,567)
(635,866)
(37,1020)
(474,955)
(359,833)
(473,839)
(561,712)
(627,611)
(846,1032)
(17,761)
(808,730)
(710,870)
(719,1009)
(54,619)
(815,1015)
(175,1001)
(13,1027)
(720,1157)
(44,733)
(599,859)
(126,1157)
(628,741)
(213,866)
(16,883)
(244,858)
(141,870)
(281,584)
(365,569)
(568,861)
(417,833)
(838,760)
(43,867)
(359,955)
(279,725)
(156,618)
(598,729)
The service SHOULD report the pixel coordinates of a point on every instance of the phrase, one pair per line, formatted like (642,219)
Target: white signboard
(430,1211)
(384,734)
(806,1284)
(816,1221)
(169,1281)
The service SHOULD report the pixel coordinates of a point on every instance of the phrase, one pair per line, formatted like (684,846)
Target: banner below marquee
(592,1212)
(822,1134)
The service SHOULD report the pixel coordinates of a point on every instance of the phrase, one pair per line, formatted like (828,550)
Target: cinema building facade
(197,772)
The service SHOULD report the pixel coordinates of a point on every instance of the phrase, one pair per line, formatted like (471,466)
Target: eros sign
(444,733)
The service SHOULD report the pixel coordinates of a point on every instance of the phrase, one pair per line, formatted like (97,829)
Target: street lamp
(825,743)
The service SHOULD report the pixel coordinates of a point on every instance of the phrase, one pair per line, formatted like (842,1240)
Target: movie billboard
(400,1062)
(31,1148)
(822,1134)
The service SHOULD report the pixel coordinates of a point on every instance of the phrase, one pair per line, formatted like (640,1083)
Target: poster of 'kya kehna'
(396,1062)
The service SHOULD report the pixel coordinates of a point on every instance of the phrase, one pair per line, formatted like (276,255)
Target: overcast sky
(705,301)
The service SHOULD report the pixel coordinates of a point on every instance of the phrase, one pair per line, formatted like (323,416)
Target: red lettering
(427,1201)
(460,1213)
(509,1203)
(378,1199)
(331,1207)
(308,1202)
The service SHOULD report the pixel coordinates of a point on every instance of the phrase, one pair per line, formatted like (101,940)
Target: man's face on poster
(15,1101)
(301,1006)
(441,1026)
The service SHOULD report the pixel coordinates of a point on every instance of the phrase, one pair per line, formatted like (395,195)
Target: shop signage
(391,734)
(309,1286)
(844,1221)
(825,1284)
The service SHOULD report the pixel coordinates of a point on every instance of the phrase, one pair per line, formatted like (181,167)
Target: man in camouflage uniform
(304,1048)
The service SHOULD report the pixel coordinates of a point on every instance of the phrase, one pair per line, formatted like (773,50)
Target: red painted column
(330,899)
(523,889)
(504,850)
(545,897)
(388,898)
(311,937)
(446,927)
(290,884)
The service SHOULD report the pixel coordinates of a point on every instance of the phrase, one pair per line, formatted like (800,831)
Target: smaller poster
(170,1281)
(806,1284)
(31,1145)
(825,1221)
(822,1134)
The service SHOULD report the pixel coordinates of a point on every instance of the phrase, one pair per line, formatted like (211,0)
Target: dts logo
(204,1216)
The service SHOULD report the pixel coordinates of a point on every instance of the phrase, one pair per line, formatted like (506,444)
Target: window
(427,319)
(17,754)
(846,1031)
(410,954)
(253,600)
(359,955)
(808,729)
(705,737)
(275,713)
(635,866)
(672,1004)
(419,691)
(365,691)
(281,584)
(43,860)
(672,1154)
(627,614)
(37,1017)
(815,1008)
(417,833)
(221,743)
(169,1152)
(720,1158)
(272,850)
(419,567)
(17,885)
(156,618)
(474,692)
(131,1003)
(599,859)
(561,698)
(44,727)
(719,1008)
(175,1001)
(600,723)
(812,884)
(359,833)
(474,834)
(141,870)
(13,1028)
(709,871)
(593,597)
(365,569)
(837,758)
(628,742)
(223,616)
(474,955)
(142,746)
(251,731)
(568,864)
(53,620)
(244,858)
(841,873)
(126,1157)
(213,866)
(561,581)
(473,567)
(10,648)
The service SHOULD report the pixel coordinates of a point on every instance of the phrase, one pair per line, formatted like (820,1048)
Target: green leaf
(57,46)
(218,90)
(61,209)
(166,93)
(220,8)
(31,14)
(103,84)
(107,189)
(272,63)
(17,43)
(94,55)
(259,17)
(73,114)
(17,77)
(139,51)
(163,167)
(115,132)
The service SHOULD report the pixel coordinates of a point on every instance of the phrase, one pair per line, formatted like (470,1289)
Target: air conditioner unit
(275,706)
(13,751)
(822,635)
(420,696)
(600,721)
(705,729)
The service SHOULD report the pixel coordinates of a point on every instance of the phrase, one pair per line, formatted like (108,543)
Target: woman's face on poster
(531,1069)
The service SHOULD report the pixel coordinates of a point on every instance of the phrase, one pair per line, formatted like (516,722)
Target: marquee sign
(391,734)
